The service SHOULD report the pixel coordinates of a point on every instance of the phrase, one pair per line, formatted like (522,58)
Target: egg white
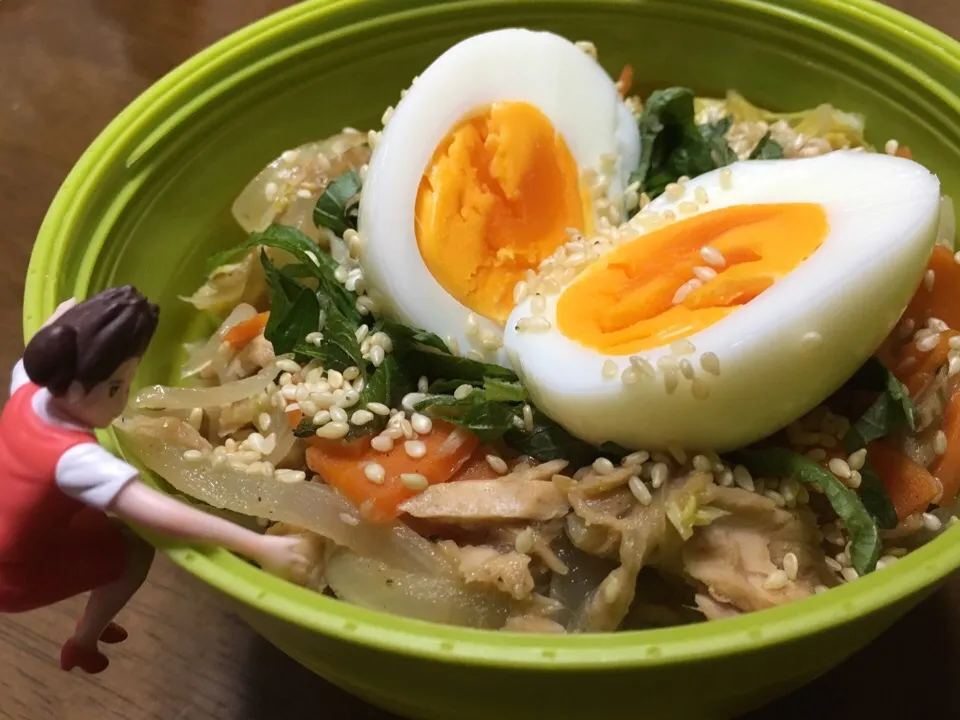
(784,352)
(540,68)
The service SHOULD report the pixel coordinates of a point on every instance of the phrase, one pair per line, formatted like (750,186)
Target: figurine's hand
(61,309)
(286,557)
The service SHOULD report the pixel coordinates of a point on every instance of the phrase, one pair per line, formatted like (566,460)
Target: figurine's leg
(107,601)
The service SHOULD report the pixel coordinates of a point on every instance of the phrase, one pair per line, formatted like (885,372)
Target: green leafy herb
(387,385)
(336,209)
(547,440)
(865,539)
(404,335)
(295,310)
(767,149)
(488,420)
(339,347)
(498,390)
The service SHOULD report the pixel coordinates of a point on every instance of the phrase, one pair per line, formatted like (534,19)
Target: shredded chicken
(533,624)
(229,285)
(486,501)
(713,610)
(509,572)
(255,356)
(735,555)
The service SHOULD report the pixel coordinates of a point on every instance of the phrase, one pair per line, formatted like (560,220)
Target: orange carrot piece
(342,465)
(910,487)
(625,81)
(904,152)
(916,369)
(477,467)
(294,417)
(241,334)
(946,468)
(943,299)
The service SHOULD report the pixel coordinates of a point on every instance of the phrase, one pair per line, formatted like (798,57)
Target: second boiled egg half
(507,141)
(739,301)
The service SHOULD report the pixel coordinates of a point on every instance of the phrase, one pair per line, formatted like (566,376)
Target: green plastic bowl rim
(310,611)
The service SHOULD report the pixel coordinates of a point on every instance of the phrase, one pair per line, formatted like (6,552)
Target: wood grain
(66,68)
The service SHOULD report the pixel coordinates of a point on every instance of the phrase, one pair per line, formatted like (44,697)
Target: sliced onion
(203,355)
(947,230)
(158,444)
(163,397)
(452,442)
(373,584)
(285,437)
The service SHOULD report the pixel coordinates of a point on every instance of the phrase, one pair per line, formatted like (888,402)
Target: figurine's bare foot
(113,634)
(90,660)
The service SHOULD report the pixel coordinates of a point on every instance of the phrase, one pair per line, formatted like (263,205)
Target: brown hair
(91,340)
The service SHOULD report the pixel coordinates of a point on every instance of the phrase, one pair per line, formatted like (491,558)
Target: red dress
(52,547)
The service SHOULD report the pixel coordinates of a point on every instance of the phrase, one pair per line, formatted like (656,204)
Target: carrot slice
(342,465)
(943,299)
(946,468)
(916,368)
(294,417)
(910,487)
(241,334)
(904,152)
(477,467)
(625,81)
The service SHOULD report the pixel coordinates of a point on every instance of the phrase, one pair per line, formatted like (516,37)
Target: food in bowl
(541,356)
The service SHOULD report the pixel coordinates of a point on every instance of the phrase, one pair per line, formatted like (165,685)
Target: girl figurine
(58,485)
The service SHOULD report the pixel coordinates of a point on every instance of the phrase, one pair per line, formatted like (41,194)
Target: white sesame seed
(700,195)
(374,472)
(290,476)
(338,414)
(497,464)
(609,370)
(290,156)
(603,466)
(674,191)
(671,380)
(678,453)
(833,564)
(891,147)
(667,362)
(839,467)
(726,179)
(820,589)
(378,408)
(192,455)
(538,305)
(335,379)
(702,463)
(929,277)
(414,481)
(791,565)
(629,376)
(349,519)
(287,365)
(362,333)
(777,580)
(422,425)
(684,290)
(817,454)
(937,325)
(906,328)
(940,442)
(377,355)
(414,448)
(704,274)
(849,574)
(743,478)
(686,369)
(687,208)
(642,366)
(520,292)
(382,443)
(857,459)
(682,347)
(639,489)
(926,343)
(636,458)
(361,417)
(533,324)
(710,363)
(528,418)
(366,305)
(333,430)
(659,474)
(931,522)
(471,326)
(423,384)
(525,541)
(778,499)
(712,256)
(270,191)
(463,391)
(314,338)
(321,418)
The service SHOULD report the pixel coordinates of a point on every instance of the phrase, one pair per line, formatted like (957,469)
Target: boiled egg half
(732,304)
(505,142)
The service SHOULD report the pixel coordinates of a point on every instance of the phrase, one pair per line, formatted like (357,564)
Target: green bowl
(150,199)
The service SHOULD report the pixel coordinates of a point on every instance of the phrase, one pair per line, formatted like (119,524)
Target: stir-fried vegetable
(909,486)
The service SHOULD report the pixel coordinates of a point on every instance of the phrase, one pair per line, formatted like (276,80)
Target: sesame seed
(287,365)
(712,256)
(702,463)
(414,481)
(348,519)
(642,366)
(415,448)
(931,522)
(382,443)
(289,476)
(659,474)
(833,564)
(710,363)
(820,589)
(462,391)
(321,418)
(472,326)
(338,414)
(940,442)
(264,421)
(549,287)
(290,156)
(533,324)
(704,274)
(929,277)
(333,430)
(678,453)
(682,347)
(684,290)
(362,333)
(410,400)
(474,355)
(629,376)
(192,455)
(378,408)
(686,369)
(926,343)
(603,466)
(743,478)
(609,370)
(520,292)
(422,425)
(587,47)
(937,325)
(669,216)
(374,472)
(726,179)
(674,191)
(383,340)
(639,489)
(891,147)
(361,417)
(667,362)
(726,478)
(528,418)
(525,541)
(270,191)
(700,195)
(366,305)
(839,467)
(777,580)
(351,373)
(497,464)
(778,499)
(687,208)
(849,574)
(857,459)
(387,115)
(671,380)
(314,338)
(636,458)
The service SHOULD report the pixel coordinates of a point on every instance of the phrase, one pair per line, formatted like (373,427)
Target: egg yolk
(495,200)
(629,301)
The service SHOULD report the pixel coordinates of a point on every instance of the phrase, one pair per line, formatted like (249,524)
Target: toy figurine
(58,485)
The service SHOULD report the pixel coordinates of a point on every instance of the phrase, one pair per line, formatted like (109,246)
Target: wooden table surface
(66,68)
